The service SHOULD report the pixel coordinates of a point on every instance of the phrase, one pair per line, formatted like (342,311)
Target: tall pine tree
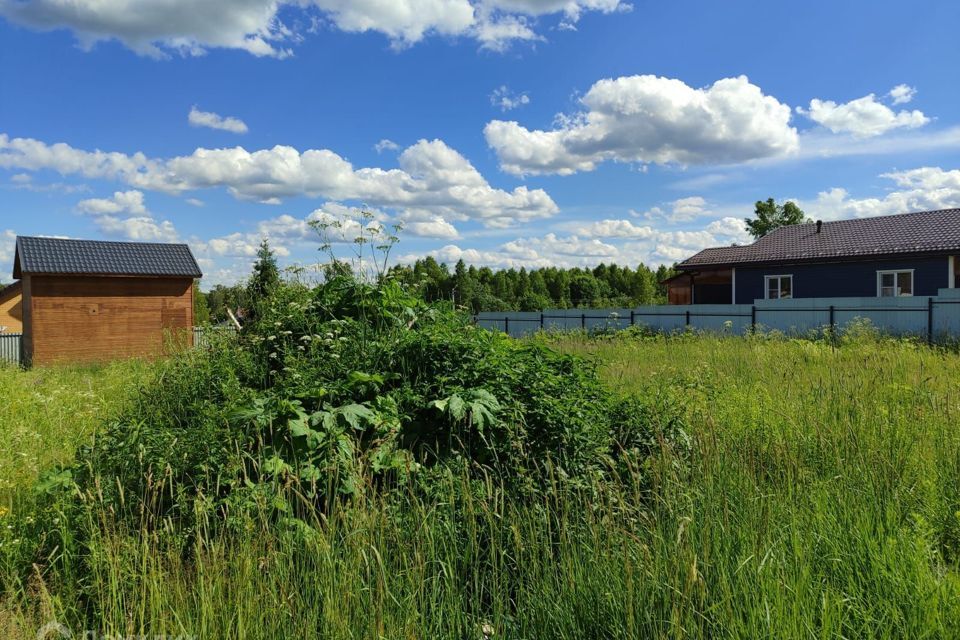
(266,274)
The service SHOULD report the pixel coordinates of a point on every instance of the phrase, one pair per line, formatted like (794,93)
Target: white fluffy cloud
(24,182)
(386,145)
(129,202)
(125,215)
(243,245)
(686,209)
(614,229)
(8,241)
(285,232)
(155,28)
(921,189)
(434,228)
(902,94)
(865,117)
(431,177)
(549,250)
(680,210)
(650,119)
(159,27)
(404,21)
(34,155)
(212,120)
(506,100)
(550,244)
(730,230)
(138,228)
(331,222)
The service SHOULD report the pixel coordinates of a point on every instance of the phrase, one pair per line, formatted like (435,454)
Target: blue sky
(505,132)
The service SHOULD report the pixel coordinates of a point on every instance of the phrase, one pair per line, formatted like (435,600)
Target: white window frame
(766,286)
(895,272)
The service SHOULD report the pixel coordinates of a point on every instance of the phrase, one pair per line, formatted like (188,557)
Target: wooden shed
(92,301)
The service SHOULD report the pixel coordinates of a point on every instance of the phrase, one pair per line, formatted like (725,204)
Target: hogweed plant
(370,240)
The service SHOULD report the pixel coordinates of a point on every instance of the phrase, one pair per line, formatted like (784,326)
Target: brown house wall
(11,310)
(99,318)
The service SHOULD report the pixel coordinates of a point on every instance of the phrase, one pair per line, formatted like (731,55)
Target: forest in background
(479,289)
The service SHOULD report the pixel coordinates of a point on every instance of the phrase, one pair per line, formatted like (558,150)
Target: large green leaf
(356,415)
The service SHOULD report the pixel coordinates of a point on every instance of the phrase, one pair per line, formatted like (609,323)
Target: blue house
(910,254)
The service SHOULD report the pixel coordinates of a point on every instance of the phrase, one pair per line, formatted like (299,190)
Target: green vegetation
(406,475)
(266,274)
(549,288)
(484,289)
(771,215)
(45,414)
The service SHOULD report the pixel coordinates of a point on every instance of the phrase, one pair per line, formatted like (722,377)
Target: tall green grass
(46,412)
(822,501)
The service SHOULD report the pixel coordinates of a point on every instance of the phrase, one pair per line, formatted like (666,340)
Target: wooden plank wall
(11,310)
(100,318)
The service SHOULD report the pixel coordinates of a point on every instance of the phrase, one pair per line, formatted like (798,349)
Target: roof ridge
(893,215)
(121,242)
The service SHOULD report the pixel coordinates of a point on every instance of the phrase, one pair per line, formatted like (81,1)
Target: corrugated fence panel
(663,318)
(202,335)
(946,317)
(933,317)
(10,347)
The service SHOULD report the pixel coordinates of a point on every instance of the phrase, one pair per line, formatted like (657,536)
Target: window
(894,283)
(779,287)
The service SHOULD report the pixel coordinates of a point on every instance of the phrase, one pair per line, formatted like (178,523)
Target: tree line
(483,289)
(477,289)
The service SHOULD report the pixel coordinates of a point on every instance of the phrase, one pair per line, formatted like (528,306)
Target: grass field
(821,500)
(46,413)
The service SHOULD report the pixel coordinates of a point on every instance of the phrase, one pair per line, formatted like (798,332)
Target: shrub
(347,388)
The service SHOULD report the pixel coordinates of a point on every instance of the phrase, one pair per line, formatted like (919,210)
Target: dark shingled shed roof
(905,233)
(99,257)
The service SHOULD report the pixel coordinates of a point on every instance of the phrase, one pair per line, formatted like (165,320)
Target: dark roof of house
(905,233)
(99,257)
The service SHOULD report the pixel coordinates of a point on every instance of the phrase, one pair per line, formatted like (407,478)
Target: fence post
(833,328)
(583,321)
(632,315)
(753,319)
(688,317)
(506,325)
(930,321)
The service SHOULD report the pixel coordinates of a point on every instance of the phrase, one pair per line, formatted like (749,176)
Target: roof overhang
(676,277)
(16,262)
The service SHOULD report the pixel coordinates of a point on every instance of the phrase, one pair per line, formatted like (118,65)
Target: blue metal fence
(933,317)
